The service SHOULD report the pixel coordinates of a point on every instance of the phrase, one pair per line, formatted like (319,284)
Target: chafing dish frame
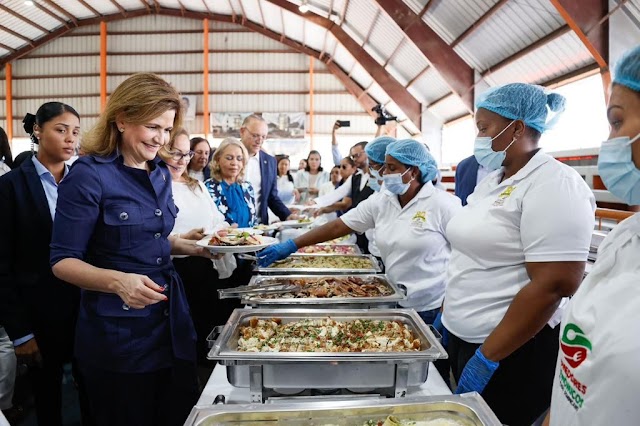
(390,372)
(389,301)
(376,268)
(469,406)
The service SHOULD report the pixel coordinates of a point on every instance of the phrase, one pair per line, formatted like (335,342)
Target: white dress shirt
(254,177)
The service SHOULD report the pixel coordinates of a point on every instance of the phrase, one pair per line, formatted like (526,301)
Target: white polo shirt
(543,213)
(597,376)
(411,240)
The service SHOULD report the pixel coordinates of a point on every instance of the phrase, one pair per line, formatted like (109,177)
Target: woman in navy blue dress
(135,341)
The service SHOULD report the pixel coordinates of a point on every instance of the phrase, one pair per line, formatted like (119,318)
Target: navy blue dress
(117,217)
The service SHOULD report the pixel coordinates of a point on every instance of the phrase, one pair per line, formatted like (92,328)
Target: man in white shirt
(262,169)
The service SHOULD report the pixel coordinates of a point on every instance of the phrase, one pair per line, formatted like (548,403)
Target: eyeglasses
(178,155)
(256,136)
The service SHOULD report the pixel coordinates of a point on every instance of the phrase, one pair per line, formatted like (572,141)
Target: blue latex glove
(437,324)
(276,252)
(476,373)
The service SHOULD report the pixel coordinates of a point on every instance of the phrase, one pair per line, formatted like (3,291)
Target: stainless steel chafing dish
(389,301)
(467,409)
(374,269)
(389,373)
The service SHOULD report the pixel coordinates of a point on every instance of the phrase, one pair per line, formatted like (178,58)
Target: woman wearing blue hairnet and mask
(409,217)
(597,376)
(518,248)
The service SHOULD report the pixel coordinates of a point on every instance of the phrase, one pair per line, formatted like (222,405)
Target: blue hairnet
(526,102)
(627,70)
(376,148)
(414,153)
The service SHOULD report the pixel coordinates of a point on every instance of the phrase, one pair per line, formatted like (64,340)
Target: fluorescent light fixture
(28,3)
(304,6)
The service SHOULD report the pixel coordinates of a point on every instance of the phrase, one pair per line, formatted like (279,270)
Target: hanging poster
(284,125)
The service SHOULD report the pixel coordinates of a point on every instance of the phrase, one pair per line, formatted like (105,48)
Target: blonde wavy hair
(138,99)
(164,154)
(215,161)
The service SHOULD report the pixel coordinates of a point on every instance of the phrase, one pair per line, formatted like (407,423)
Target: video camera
(383,115)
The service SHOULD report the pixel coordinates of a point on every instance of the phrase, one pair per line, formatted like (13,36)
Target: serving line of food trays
(313,264)
(289,291)
(388,373)
(450,410)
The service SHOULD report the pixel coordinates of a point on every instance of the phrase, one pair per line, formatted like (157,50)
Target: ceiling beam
(420,74)
(122,10)
(373,25)
(400,95)
(15,34)
(146,5)
(479,22)
(63,11)
(9,48)
(365,100)
(90,8)
(264,23)
(50,13)
(455,71)
(583,16)
(23,18)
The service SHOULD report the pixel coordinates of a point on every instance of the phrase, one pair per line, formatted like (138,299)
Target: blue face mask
(376,174)
(394,184)
(486,156)
(617,170)
(374,184)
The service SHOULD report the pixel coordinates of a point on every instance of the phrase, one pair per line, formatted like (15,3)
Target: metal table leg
(402,379)
(255,383)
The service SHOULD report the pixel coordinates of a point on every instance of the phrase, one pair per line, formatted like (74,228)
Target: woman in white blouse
(197,216)
(309,180)
(286,189)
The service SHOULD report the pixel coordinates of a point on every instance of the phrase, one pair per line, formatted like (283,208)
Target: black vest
(357,196)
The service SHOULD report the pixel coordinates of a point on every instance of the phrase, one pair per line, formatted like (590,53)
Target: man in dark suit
(262,169)
(468,174)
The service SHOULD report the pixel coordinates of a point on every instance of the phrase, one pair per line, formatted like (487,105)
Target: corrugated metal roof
(218,6)
(271,15)
(631,8)
(361,15)
(292,26)
(252,11)
(449,108)
(314,36)
(432,85)
(512,28)
(385,36)
(417,5)
(361,76)
(408,62)
(77,9)
(559,57)
(449,19)
(378,94)
(34,14)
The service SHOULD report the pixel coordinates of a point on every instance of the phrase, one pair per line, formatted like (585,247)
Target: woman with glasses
(197,167)
(309,180)
(197,217)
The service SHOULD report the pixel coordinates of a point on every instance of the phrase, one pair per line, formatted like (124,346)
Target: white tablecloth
(219,385)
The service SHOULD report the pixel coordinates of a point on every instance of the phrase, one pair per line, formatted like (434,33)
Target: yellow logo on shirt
(504,195)
(419,219)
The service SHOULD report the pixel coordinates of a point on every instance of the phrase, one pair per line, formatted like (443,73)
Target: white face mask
(484,153)
(394,184)
(618,171)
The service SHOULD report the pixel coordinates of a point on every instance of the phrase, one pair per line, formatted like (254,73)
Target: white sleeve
(364,216)
(333,197)
(300,180)
(557,221)
(450,206)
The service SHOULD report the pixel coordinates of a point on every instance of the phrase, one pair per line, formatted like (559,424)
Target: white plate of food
(297,223)
(237,231)
(235,242)
(263,228)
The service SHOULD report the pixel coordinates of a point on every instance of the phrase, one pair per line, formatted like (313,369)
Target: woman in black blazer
(38,310)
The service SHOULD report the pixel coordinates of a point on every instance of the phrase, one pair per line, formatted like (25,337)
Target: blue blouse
(229,209)
(117,217)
